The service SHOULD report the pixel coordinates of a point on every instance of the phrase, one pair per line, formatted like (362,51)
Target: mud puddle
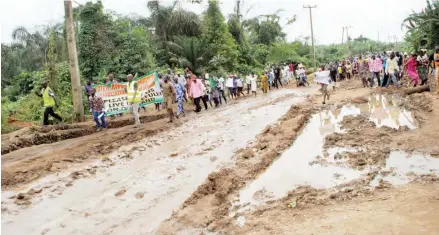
(402,168)
(386,110)
(307,163)
(142,188)
(294,167)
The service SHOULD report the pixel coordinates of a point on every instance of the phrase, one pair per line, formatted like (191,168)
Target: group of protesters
(210,89)
(387,68)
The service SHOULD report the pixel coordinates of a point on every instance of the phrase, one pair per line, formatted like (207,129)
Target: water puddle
(293,168)
(385,110)
(402,167)
(306,163)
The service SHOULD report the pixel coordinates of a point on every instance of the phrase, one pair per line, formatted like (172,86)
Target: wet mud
(37,135)
(216,191)
(149,178)
(352,156)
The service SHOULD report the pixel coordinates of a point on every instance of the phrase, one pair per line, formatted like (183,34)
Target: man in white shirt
(391,69)
(221,89)
(286,73)
(248,83)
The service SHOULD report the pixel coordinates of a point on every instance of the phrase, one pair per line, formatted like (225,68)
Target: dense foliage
(423,27)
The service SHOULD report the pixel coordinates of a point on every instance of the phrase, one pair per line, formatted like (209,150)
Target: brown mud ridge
(209,206)
(31,136)
(18,169)
(250,161)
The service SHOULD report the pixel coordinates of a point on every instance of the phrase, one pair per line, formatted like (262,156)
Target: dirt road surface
(160,172)
(366,162)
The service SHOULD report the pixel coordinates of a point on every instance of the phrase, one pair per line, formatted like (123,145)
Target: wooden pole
(78,109)
(312,35)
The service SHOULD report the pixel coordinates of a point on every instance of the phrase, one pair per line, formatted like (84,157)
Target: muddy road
(145,180)
(367,162)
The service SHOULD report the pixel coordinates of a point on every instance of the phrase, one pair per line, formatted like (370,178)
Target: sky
(370,18)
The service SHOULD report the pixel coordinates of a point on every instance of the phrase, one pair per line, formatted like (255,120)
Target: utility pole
(342,36)
(347,38)
(312,34)
(78,109)
(378,32)
(238,10)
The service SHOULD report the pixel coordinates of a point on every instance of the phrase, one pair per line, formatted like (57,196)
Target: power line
(312,33)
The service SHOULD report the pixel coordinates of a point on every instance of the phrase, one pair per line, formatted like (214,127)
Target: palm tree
(187,52)
(425,23)
(169,21)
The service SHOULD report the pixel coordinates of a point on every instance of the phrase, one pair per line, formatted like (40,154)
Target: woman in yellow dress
(264,82)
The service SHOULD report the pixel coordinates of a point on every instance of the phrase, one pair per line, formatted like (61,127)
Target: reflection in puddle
(293,169)
(384,110)
(401,167)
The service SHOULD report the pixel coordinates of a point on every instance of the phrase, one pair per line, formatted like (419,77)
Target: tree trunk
(419,89)
(78,109)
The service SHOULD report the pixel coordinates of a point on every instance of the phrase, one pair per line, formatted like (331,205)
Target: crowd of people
(386,68)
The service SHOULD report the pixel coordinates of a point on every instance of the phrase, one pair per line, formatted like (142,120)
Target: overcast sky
(367,17)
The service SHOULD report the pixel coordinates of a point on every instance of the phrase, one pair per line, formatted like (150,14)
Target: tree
(266,31)
(170,21)
(187,52)
(217,39)
(423,27)
(95,42)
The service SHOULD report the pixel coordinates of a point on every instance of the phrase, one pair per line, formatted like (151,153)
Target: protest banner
(322,77)
(114,96)
(149,86)
(116,99)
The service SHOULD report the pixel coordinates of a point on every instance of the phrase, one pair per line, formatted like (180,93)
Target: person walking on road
(270,79)
(180,92)
(97,106)
(277,75)
(248,83)
(391,69)
(88,88)
(196,92)
(239,85)
(134,98)
(375,67)
(221,87)
(264,82)
(411,69)
(230,86)
(169,97)
(49,101)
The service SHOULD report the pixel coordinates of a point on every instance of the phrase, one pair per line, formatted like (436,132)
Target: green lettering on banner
(116,99)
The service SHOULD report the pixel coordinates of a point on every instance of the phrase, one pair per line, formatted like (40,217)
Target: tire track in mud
(165,171)
(212,197)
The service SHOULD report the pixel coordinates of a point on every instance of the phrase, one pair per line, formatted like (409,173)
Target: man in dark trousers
(277,75)
(49,102)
